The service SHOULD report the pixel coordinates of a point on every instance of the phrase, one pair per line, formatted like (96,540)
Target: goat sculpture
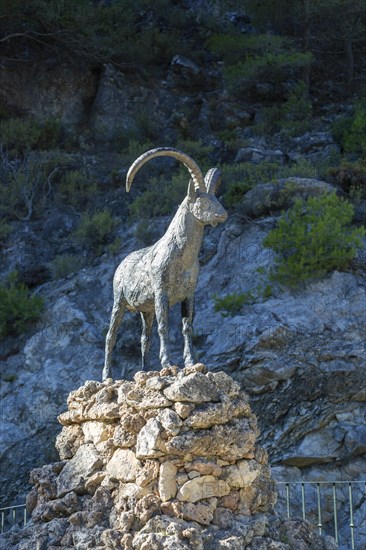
(153,279)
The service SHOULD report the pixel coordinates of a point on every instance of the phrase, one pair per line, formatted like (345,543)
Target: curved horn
(213,180)
(188,162)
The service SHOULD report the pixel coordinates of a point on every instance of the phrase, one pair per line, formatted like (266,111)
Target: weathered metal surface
(151,280)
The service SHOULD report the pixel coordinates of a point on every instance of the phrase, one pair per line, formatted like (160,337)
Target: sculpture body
(155,278)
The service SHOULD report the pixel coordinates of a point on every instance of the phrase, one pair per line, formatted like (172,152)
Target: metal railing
(13,515)
(336,508)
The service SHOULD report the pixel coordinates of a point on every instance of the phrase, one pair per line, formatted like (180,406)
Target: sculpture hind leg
(162,311)
(147,323)
(187,319)
(118,312)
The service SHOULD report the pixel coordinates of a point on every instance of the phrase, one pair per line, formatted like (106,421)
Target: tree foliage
(19,307)
(314,237)
(333,31)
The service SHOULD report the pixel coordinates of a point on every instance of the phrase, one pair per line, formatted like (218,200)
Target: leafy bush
(19,308)
(252,59)
(26,186)
(145,233)
(351,176)
(270,69)
(133,150)
(240,178)
(5,230)
(231,304)
(233,47)
(131,33)
(350,131)
(293,117)
(21,135)
(313,238)
(161,196)
(78,188)
(64,265)
(197,150)
(96,231)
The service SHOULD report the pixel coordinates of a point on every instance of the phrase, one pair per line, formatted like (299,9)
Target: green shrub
(257,58)
(231,304)
(19,307)
(293,117)
(25,187)
(265,67)
(350,130)
(65,264)
(5,230)
(355,134)
(78,188)
(161,197)
(144,233)
(233,47)
(313,238)
(351,176)
(115,247)
(18,135)
(197,150)
(133,150)
(96,231)
(240,178)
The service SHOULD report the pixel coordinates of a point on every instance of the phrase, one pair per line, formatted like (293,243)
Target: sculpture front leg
(147,323)
(187,319)
(116,320)
(162,312)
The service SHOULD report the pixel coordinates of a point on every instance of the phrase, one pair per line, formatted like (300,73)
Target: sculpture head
(203,204)
(201,199)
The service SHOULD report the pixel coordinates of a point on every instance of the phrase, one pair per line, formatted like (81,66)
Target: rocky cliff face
(299,355)
(168,460)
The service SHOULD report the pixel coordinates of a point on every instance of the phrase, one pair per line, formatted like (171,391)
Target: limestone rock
(267,198)
(208,415)
(149,440)
(141,399)
(170,421)
(183,409)
(231,441)
(123,465)
(242,474)
(258,154)
(69,440)
(85,463)
(202,487)
(97,432)
(196,388)
(225,383)
(126,432)
(204,467)
(167,483)
(147,473)
(202,513)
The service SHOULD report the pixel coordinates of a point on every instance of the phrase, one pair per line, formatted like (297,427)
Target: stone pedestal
(167,461)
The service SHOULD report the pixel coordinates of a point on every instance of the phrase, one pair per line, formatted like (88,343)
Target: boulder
(271,198)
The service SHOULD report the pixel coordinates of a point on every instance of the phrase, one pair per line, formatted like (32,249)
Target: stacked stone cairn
(166,461)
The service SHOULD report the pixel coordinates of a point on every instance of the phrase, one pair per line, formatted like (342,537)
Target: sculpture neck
(188,231)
